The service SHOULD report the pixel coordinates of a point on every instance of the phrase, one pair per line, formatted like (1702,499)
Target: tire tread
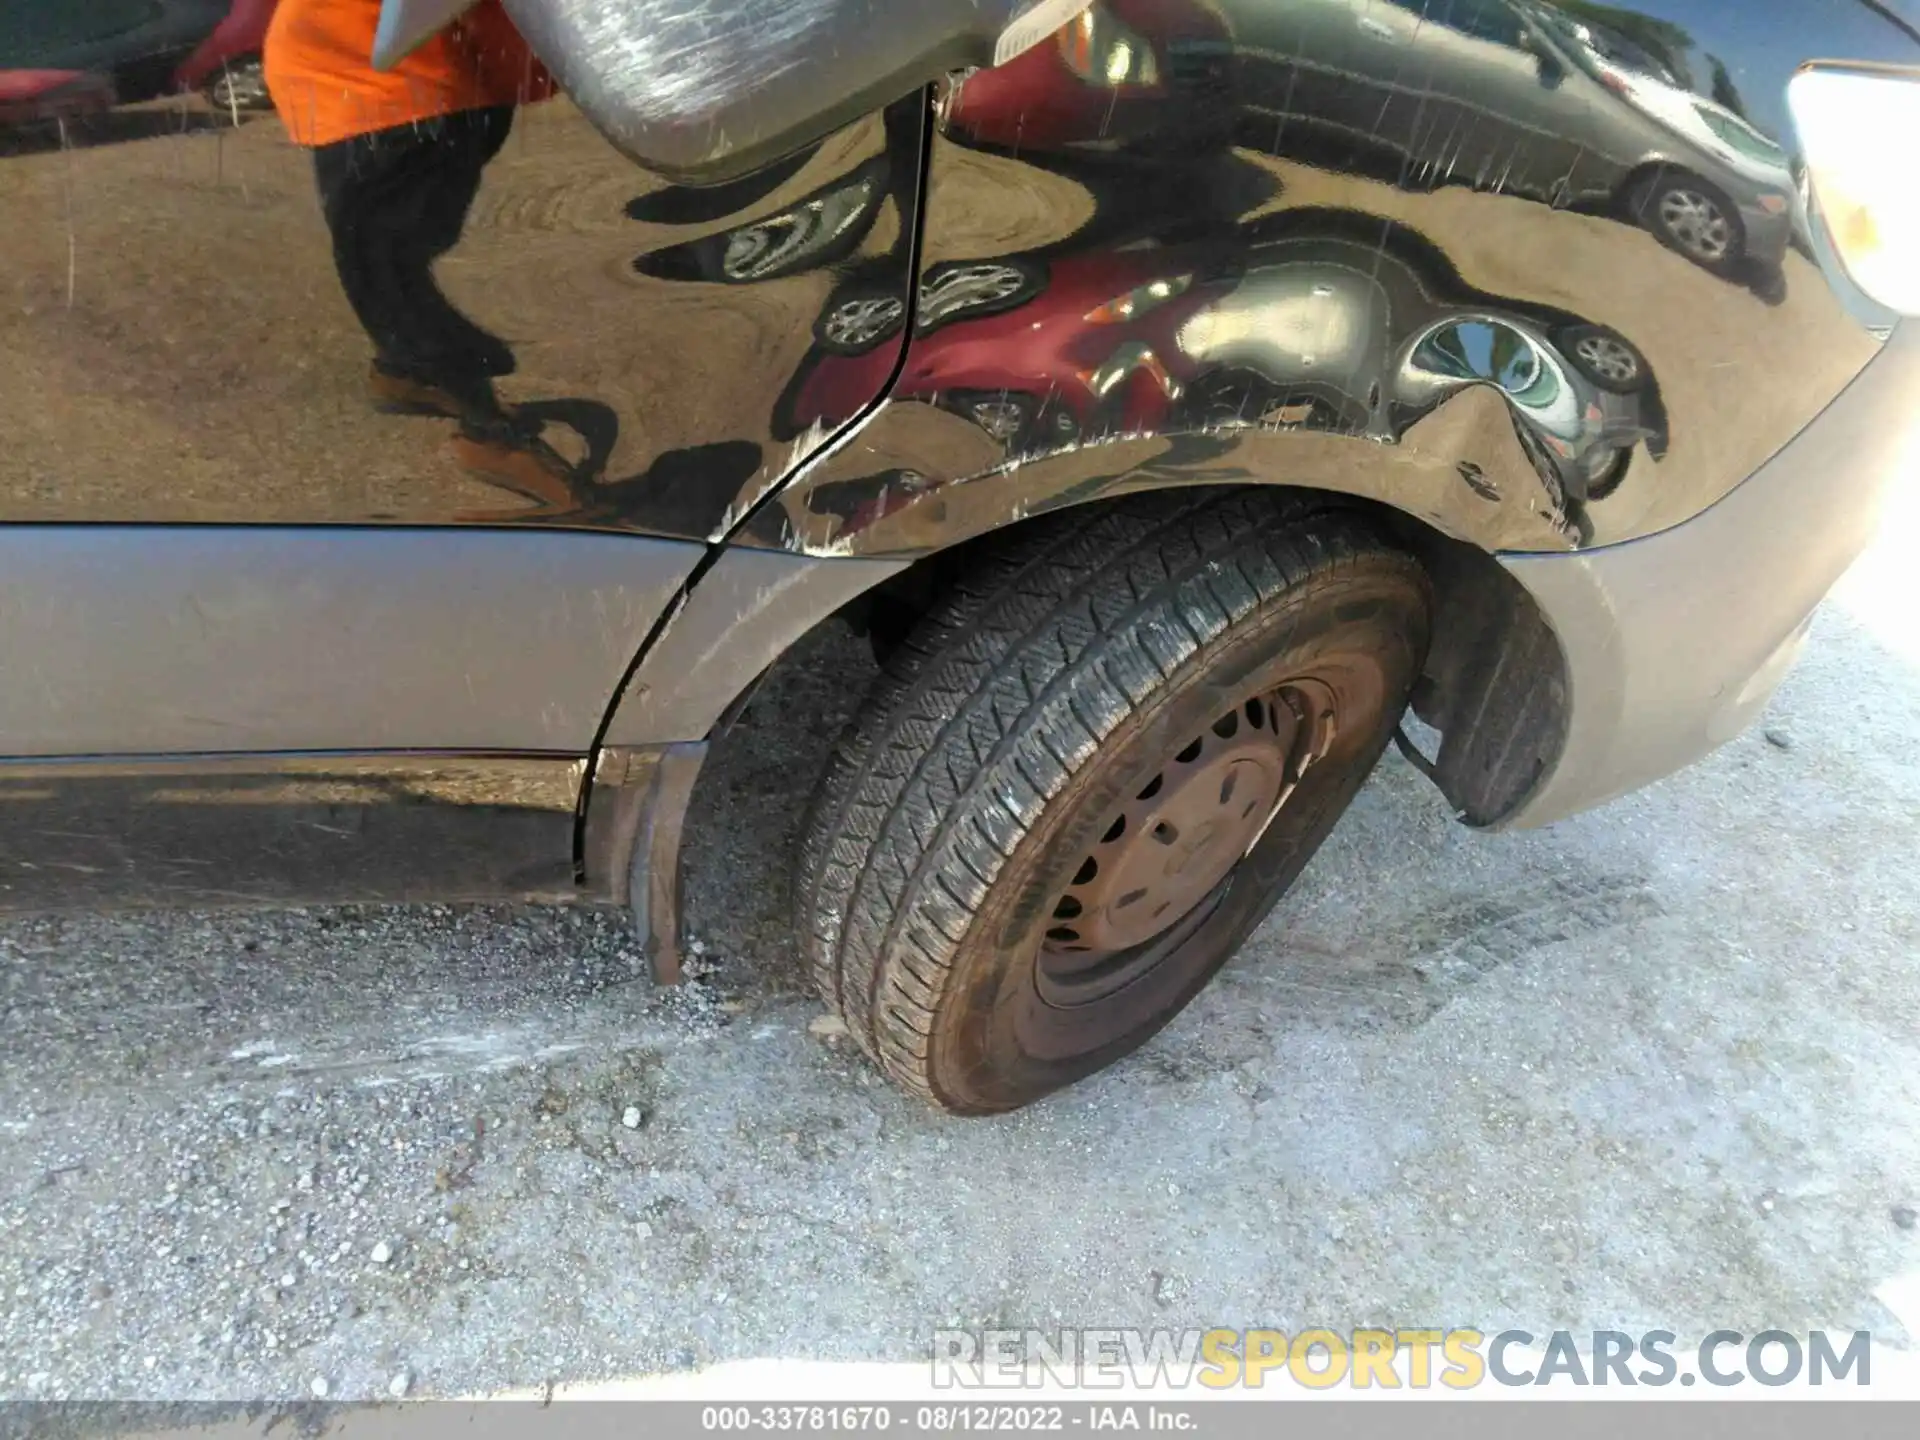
(1042,646)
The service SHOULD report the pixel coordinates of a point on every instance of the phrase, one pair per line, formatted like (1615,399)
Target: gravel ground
(1657,1065)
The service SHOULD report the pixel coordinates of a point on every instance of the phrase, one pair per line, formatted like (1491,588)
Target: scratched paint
(671,64)
(706,91)
(691,88)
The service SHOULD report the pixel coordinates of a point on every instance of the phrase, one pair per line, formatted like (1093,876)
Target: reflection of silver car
(1345,336)
(1504,95)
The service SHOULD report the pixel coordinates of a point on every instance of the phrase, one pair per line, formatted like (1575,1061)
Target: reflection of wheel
(859,318)
(810,235)
(240,85)
(1605,357)
(1091,772)
(1693,217)
(1016,420)
(1001,413)
(1607,469)
(967,289)
(822,230)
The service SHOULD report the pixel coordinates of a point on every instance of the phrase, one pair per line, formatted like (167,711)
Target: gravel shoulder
(1657,1065)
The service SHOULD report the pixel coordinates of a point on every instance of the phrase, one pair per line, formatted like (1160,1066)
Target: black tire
(1059,676)
(1605,357)
(1652,203)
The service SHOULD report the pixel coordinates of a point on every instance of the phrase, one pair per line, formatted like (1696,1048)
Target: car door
(344,475)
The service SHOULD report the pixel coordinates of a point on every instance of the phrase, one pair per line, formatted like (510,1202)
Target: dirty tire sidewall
(1065,665)
(1005,1045)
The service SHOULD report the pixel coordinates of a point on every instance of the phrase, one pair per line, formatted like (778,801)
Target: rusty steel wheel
(1091,771)
(1161,865)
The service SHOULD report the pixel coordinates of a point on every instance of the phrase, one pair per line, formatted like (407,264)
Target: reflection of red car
(28,95)
(1094,351)
(1122,71)
(90,57)
(226,66)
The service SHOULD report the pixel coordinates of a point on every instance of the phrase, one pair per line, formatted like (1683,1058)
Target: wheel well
(1647,170)
(1494,685)
(1638,177)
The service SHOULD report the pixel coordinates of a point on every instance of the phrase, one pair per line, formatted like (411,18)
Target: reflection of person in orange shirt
(398,157)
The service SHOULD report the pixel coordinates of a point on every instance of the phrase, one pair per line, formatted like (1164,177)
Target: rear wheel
(240,85)
(860,318)
(1088,775)
(1692,217)
(1605,357)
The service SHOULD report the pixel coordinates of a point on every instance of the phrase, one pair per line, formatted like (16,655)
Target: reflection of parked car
(1740,204)
(226,67)
(1122,72)
(35,95)
(1497,94)
(1322,329)
(860,316)
(133,50)
(1350,335)
(1033,355)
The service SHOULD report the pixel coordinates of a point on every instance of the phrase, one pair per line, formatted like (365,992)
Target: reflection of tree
(1724,91)
(1663,39)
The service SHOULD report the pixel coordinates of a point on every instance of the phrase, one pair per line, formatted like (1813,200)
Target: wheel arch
(1627,192)
(831,544)
(1494,687)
